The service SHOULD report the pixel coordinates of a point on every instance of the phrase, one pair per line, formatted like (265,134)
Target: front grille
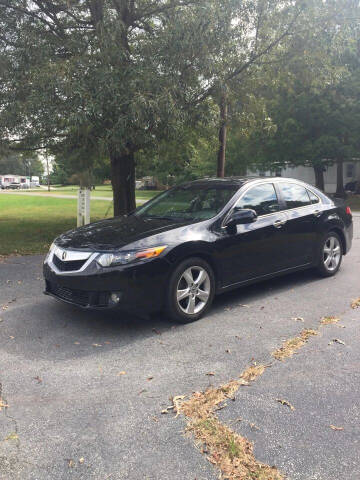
(71,266)
(79,297)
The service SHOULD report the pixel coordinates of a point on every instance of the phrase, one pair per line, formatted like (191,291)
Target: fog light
(115,297)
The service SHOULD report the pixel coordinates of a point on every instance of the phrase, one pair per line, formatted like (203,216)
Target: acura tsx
(189,243)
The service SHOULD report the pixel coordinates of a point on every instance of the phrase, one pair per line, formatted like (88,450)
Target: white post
(83,214)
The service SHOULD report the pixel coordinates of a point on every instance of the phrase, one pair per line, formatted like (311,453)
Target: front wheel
(191,290)
(330,255)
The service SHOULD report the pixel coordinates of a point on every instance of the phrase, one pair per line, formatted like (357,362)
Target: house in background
(306,174)
(11,178)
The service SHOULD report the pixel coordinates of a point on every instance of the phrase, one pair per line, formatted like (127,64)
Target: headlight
(51,249)
(123,258)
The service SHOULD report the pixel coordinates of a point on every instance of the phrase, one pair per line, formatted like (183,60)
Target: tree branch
(255,56)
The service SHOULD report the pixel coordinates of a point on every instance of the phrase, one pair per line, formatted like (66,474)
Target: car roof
(232,181)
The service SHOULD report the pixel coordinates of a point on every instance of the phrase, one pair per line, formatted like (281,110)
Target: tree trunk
(340,190)
(222,137)
(123,183)
(357,188)
(319,176)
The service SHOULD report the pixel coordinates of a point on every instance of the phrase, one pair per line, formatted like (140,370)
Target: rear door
(303,210)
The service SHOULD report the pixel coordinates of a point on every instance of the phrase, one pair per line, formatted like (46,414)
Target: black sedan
(197,240)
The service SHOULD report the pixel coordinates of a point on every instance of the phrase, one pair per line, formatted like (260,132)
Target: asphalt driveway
(85,390)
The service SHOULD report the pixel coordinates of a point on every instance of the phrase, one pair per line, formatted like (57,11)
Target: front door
(258,248)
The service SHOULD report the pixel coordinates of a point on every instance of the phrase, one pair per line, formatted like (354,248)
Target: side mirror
(241,217)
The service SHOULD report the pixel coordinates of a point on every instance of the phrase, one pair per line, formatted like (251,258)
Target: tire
(330,255)
(197,295)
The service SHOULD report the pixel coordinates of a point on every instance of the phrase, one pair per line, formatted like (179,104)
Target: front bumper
(141,288)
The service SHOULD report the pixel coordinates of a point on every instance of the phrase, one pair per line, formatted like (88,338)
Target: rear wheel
(191,290)
(330,255)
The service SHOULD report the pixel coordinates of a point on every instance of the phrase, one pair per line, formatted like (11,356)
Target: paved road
(60,375)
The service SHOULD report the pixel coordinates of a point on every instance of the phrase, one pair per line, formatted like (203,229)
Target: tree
(123,75)
(27,164)
(314,102)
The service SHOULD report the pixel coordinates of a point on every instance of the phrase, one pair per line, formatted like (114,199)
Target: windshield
(191,202)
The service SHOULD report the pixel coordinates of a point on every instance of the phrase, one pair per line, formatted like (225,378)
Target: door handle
(279,223)
(317,213)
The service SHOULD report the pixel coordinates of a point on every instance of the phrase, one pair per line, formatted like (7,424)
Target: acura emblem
(63,256)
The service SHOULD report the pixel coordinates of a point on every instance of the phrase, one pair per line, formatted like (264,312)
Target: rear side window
(262,199)
(313,198)
(294,195)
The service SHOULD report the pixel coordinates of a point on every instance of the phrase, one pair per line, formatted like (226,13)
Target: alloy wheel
(332,253)
(193,290)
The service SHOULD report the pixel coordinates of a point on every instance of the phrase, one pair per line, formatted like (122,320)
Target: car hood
(114,233)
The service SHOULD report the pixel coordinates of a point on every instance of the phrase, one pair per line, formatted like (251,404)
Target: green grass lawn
(28,225)
(100,191)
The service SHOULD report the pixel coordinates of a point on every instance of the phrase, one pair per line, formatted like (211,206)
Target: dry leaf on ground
(336,340)
(333,427)
(286,403)
(355,303)
(329,320)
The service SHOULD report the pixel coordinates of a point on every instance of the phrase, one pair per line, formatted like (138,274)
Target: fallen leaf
(355,303)
(243,305)
(76,343)
(81,460)
(253,426)
(329,320)
(121,373)
(176,405)
(3,404)
(336,428)
(71,463)
(107,343)
(38,379)
(96,345)
(12,436)
(336,340)
(149,378)
(298,319)
(286,403)
(12,338)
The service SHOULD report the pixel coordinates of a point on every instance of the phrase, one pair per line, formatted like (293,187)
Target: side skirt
(280,273)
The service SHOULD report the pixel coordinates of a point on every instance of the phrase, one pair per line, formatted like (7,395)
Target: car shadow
(264,289)
(52,330)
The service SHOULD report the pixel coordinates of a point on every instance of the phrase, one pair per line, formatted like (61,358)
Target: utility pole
(48,172)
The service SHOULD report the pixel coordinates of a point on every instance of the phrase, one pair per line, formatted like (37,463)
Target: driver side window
(261,198)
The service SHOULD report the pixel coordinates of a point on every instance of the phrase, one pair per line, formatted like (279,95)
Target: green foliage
(105,79)
(20,164)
